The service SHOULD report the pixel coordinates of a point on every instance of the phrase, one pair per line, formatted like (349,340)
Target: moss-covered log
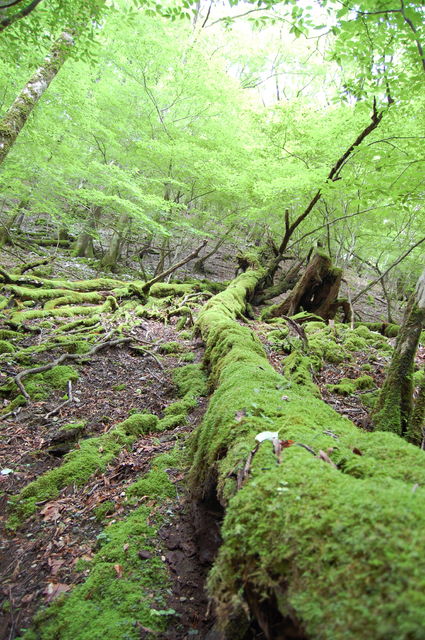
(323,526)
(385,328)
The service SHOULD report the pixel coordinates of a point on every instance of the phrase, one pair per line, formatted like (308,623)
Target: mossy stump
(316,291)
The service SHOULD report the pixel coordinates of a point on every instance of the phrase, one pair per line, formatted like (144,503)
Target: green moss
(187,357)
(74,426)
(322,344)
(46,324)
(6,347)
(418,377)
(93,455)
(83,322)
(278,339)
(96,284)
(172,347)
(355,343)
(19,317)
(108,605)
(365,382)
(190,380)
(6,334)
(119,387)
(345,387)
(170,422)
(311,535)
(55,297)
(369,399)
(386,329)
(162,289)
(19,401)
(155,483)
(73,298)
(186,334)
(348,386)
(139,423)
(38,385)
(59,376)
(181,407)
(298,368)
(104,509)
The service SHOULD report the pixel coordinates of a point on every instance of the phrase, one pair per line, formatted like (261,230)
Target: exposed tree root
(65,356)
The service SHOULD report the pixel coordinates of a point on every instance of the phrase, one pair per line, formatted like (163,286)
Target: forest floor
(42,559)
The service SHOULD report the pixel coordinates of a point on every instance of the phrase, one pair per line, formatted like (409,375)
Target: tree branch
(6,22)
(145,288)
(370,285)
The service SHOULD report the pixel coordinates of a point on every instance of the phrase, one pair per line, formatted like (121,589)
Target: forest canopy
(225,122)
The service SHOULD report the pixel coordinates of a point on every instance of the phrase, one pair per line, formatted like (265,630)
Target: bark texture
(14,120)
(393,411)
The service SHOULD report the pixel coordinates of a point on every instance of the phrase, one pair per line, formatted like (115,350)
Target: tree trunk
(416,433)
(393,411)
(111,257)
(285,282)
(14,120)
(14,222)
(308,521)
(84,244)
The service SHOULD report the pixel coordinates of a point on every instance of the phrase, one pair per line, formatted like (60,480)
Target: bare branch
(389,269)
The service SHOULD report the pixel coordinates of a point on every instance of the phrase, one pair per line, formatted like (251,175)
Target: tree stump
(316,291)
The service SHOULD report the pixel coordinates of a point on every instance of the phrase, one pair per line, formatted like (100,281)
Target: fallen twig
(243,473)
(148,353)
(63,404)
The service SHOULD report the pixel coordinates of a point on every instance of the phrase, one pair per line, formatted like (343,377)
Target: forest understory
(103,532)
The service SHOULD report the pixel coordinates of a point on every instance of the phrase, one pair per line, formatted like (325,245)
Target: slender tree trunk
(393,411)
(416,433)
(162,255)
(84,244)
(14,120)
(111,257)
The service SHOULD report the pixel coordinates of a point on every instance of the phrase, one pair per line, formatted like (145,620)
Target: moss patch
(162,289)
(93,455)
(107,605)
(6,347)
(172,347)
(348,386)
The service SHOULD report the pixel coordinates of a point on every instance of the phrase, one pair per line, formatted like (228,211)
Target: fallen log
(329,545)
